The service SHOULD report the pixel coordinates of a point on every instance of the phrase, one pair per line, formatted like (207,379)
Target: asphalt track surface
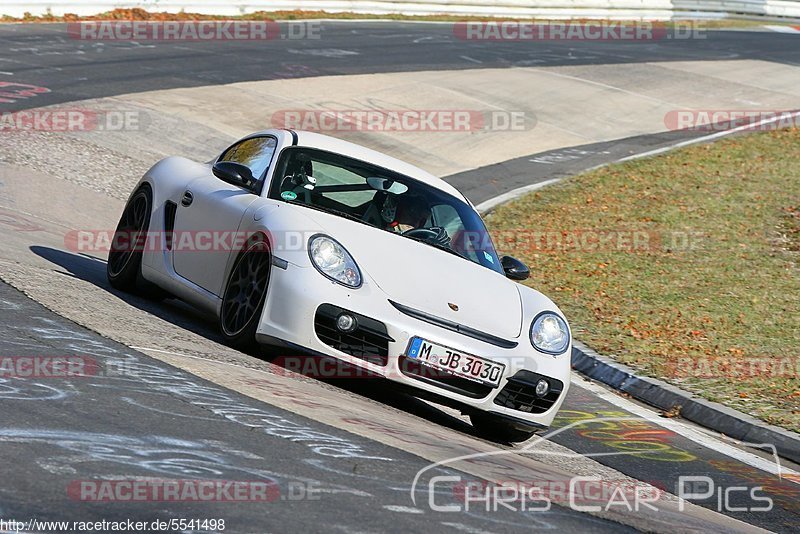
(44,55)
(70,69)
(89,430)
(129,417)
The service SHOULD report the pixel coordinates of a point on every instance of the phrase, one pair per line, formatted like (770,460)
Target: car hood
(429,280)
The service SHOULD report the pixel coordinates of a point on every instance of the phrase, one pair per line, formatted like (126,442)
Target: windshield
(386,200)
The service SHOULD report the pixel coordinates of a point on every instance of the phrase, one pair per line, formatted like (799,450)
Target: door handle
(187,199)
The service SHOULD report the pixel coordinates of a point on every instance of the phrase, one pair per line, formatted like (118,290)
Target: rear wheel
(497,429)
(125,257)
(244,295)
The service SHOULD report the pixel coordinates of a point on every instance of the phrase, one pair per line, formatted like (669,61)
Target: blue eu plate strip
(413,351)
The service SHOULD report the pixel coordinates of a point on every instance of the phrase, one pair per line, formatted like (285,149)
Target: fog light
(346,323)
(542,387)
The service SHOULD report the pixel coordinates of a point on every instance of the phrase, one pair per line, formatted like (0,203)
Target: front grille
(369,341)
(520,393)
(442,379)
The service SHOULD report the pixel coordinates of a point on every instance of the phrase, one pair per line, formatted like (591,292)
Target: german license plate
(455,362)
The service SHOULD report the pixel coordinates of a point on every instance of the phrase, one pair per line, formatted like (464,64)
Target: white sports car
(316,245)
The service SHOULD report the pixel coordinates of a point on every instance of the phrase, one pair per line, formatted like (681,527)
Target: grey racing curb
(712,415)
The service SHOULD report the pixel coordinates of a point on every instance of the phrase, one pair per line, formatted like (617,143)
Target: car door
(210,212)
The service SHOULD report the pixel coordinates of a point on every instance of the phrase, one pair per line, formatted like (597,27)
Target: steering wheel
(421,233)
(437,234)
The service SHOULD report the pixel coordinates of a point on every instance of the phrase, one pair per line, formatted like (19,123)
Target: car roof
(352,150)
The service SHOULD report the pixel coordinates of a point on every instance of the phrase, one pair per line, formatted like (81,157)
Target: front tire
(244,296)
(496,429)
(124,265)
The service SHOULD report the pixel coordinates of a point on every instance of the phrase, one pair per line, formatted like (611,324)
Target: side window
(330,175)
(322,179)
(465,243)
(254,153)
(446,216)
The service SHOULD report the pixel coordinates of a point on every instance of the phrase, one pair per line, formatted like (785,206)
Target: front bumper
(296,295)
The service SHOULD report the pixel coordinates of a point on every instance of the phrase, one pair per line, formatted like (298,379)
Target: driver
(413,213)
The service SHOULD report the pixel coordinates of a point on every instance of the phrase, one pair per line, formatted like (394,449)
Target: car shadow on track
(93,270)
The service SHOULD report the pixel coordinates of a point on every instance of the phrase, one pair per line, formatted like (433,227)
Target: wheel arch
(260,233)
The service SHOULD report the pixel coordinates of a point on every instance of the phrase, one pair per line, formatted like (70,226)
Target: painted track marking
(690,433)
(675,426)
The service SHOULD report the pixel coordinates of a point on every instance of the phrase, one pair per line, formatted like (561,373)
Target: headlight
(332,260)
(549,333)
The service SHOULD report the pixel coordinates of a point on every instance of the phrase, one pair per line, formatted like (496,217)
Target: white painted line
(710,137)
(472,59)
(492,203)
(682,429)
(461,527)
(783,29)
(488,205)
(6,73)
(323,52)
(403,509)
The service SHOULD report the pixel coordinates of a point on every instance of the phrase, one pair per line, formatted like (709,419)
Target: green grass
(676,312)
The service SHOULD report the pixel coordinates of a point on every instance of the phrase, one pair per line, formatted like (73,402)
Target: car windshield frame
(290,184)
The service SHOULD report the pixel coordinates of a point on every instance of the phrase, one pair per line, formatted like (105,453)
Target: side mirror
(234,173)
(515,269)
